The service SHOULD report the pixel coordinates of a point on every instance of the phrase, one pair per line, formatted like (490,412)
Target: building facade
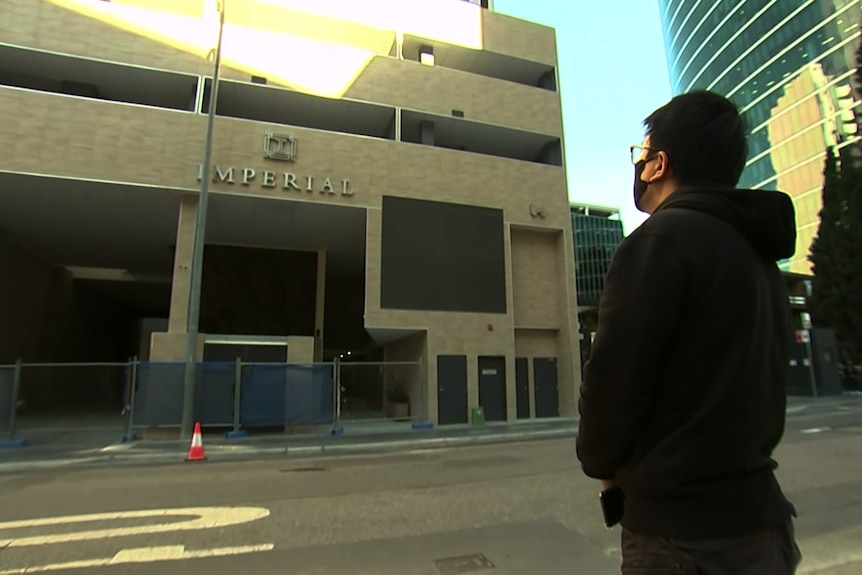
(598,231)
(387,185)
(790,67)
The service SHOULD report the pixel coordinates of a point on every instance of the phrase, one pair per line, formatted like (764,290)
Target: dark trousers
(772,552)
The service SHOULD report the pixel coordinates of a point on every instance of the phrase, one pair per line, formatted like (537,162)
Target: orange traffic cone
(196,451)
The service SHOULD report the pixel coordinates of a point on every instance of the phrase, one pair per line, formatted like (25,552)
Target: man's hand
(607,484)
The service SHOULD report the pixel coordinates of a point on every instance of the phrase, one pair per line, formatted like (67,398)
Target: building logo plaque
(281,147)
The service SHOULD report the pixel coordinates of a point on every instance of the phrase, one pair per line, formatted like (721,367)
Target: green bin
(478,416)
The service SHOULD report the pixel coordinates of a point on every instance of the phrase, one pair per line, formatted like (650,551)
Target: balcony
(444,91)
(480,62)
(49,72)
(279,106)
(277,38)
(461,134)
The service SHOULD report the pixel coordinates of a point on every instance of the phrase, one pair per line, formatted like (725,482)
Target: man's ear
(662,166)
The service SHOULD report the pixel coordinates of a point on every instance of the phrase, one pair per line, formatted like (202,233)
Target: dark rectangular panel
(258,291)
(451,389)
(492,387)
(442,257)
(522,382)
(547,393)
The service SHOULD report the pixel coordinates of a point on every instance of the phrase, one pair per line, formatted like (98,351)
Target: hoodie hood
(767,219)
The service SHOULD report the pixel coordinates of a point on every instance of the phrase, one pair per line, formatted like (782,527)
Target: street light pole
(196,271)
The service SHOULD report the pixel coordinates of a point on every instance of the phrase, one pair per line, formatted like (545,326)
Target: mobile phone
(613,505)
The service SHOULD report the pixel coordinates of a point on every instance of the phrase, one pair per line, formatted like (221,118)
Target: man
(683,399)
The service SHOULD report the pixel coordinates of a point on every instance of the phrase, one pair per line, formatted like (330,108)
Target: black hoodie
(683,399)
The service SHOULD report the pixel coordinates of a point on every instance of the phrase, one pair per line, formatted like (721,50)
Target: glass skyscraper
(789,65)
(598,231)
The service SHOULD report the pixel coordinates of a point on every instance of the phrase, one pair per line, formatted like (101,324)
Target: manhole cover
(304,470)
(463,564)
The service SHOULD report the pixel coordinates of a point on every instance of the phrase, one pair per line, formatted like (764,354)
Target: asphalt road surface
(502,509)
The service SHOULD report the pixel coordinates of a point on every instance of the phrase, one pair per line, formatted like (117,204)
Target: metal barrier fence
(64,402)
(8,401)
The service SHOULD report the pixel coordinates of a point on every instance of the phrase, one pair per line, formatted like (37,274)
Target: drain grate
(463,564)
(304,470)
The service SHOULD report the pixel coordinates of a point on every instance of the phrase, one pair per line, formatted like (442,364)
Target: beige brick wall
(58,27)
(512,37)
(124,143)
(411,349)
(178,318)
(535,279)
(355,59)
(441,90)
(300,349)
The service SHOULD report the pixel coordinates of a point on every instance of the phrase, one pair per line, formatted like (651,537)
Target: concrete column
(300,349)
(568,343)
(472,383)
(511,388)
(178,318)
(320,306)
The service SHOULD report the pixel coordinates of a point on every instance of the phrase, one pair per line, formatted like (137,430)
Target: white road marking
(143,555)
(205,518)
(816,430)
(117,447)
(830,551)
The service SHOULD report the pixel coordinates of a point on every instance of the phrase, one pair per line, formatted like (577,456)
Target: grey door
(451,389)
(492,387)
(547,394)
(522,383)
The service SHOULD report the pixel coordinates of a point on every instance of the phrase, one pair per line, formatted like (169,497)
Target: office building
(597,231)
(387,185)
(790,67)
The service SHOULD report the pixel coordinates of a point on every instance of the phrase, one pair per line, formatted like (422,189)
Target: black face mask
(640,186)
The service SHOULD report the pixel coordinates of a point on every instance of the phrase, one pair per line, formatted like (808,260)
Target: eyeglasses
(641,153)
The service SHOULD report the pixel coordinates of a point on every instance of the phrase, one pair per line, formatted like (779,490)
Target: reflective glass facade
(598,232)
(790,67)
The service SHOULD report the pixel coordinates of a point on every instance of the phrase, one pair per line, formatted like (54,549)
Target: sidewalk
(357,438)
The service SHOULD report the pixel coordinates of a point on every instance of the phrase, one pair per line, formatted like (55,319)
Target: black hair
(704,137)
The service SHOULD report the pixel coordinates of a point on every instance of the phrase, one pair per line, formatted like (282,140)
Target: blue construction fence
(270,395)
(7,401)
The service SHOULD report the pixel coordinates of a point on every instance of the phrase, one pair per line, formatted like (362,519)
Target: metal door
(451,389)
(492,387)
(522,383)
(547,396)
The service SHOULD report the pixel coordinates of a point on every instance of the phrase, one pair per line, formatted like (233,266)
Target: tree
(836,300)
(824,256)
(850,304)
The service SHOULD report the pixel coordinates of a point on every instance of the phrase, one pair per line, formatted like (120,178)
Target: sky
(613,73)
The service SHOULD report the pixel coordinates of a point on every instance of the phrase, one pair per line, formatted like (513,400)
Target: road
(501,509)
